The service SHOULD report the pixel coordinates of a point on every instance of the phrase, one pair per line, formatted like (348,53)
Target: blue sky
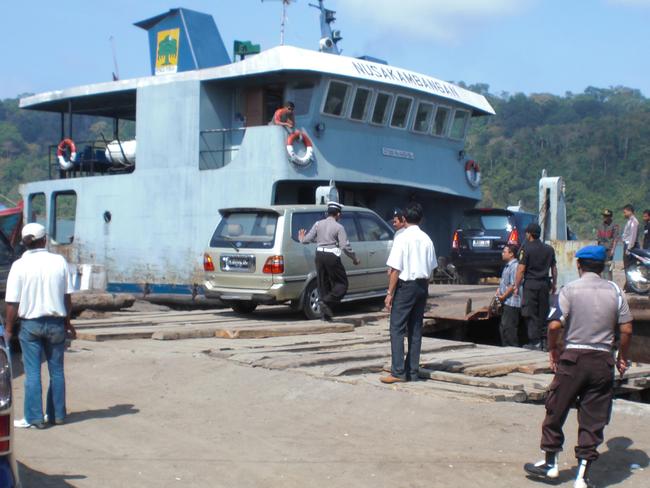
(528,46)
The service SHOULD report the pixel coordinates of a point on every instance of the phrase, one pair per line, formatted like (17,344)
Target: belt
(596,347)
(332,250)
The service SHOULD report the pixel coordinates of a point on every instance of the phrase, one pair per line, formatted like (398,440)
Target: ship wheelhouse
(202,141)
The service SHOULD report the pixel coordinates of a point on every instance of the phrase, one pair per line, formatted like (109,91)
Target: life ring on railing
(473,173)
(306,158)
(66,164)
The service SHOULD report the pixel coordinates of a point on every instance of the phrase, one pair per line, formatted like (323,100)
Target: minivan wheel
(243,307)
(310,301)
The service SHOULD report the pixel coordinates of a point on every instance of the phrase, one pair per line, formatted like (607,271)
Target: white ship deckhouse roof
(278,59)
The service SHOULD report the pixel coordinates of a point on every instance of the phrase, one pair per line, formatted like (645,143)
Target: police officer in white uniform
(331,239)
(589,310)
(411,261)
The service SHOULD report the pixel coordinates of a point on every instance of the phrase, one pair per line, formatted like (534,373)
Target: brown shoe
(390,379)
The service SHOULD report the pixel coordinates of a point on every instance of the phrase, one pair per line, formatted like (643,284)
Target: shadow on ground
(102,413)
(619,462)
(30,478)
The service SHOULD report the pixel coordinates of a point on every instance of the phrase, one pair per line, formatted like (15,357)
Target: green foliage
(599,141)
(28,142)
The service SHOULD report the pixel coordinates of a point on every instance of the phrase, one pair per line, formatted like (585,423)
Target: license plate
(481,243)
(238,263)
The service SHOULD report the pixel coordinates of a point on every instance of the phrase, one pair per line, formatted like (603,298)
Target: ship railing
(218,146)
(91,160)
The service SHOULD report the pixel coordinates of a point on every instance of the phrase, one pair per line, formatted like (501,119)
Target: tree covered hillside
(599,141)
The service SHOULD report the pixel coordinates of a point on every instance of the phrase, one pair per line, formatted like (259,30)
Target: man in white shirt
(38,292)
(411,261)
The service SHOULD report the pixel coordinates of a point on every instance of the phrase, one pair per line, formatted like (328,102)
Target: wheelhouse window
(441,121)
(360,104)
(459,124)
(65,214)
(36,209)
(380,110)
(423,117)
(337,93)
(401,112)
(301,96)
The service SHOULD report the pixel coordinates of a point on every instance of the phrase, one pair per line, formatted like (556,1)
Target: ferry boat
(139,213)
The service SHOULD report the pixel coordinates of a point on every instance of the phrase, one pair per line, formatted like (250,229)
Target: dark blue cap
(595,253)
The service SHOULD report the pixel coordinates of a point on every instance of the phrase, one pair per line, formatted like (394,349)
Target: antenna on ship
(283,20)
(329,37)
(116,73)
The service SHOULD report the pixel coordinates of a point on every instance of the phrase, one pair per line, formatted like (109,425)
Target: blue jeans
(38,336)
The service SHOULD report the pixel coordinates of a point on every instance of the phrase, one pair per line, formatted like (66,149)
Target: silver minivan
(255,257)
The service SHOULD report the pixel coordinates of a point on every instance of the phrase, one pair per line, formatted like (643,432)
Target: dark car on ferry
(480,237)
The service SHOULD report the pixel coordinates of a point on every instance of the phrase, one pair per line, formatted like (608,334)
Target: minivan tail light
(274,265)
(514,237)
(208,264)
(5,433)
(455,243)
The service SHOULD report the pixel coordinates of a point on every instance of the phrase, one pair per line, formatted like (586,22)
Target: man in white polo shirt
(412,260)
(38,291)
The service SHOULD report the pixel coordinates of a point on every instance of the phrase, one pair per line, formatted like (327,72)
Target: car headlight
(5,380)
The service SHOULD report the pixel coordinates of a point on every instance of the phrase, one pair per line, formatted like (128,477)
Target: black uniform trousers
(534,308)
(406,315)
(585,377)
(509,326)
(331,276)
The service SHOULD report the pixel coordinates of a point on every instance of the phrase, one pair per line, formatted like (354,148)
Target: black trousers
(406,317)
(509,326)
(588,378)
(331,276)
(534,309)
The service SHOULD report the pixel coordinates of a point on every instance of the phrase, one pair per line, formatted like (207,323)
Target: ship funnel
(183,40)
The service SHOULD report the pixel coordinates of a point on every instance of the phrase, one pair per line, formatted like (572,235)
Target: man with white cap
(38,292)
(331,239)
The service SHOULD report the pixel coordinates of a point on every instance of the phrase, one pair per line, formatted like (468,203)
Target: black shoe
(542,470)
(326,312)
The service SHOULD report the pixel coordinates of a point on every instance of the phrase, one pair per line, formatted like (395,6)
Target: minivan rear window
(486,222)
(252,230)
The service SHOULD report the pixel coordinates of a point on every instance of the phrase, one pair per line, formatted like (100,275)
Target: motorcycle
(638,273)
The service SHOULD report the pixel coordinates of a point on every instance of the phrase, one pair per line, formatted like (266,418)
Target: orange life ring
(473,173)
(306,158)
(61,153)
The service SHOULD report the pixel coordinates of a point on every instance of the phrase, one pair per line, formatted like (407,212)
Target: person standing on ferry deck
(412,259)
(630,237)
(38,291)
(331,239)
(607,236)
(536,259)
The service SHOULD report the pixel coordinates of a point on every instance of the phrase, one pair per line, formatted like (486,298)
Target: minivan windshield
(247,229)
(485,222)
